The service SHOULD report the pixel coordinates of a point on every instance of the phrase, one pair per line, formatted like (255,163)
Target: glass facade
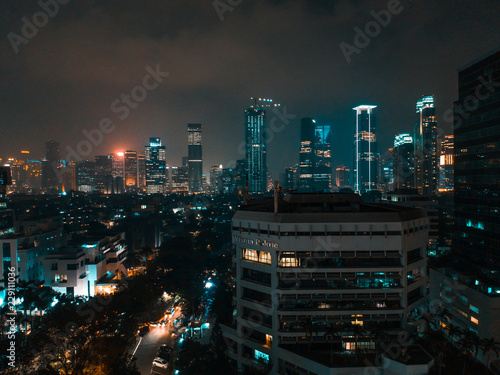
(195,157)
(425,147)
(155,167)
(365,168)
(255,139)
(477,166)
(315,169)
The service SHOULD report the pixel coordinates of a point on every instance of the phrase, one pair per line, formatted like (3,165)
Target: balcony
(343,305)
(341,262)
(312,284)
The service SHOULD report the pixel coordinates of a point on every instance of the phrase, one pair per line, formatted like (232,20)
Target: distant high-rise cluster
(418,160)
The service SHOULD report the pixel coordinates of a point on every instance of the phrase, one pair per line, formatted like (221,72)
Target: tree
(197,359)
(489,346)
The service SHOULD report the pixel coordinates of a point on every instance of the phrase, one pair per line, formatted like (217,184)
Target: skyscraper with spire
(365,168)
(256,145)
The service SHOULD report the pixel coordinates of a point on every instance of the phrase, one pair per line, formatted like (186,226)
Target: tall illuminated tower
(195,158)
(425,147)
(156,177)
(130,162)
(365,150)
(256,145)
(315,168)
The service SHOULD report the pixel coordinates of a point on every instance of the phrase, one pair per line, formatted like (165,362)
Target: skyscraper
(425,144)
(104,174)
(85,176)
(256,145)
(141,171)
(195,158)
(385,180)
(118,172)
(51,165)
(446,152)
(315,168)
(131,171)
(365,166)
(477,172)
(342,174)
(291,178)
(215,178)
(472,275)
(403,161)
(306,154)
(156,178)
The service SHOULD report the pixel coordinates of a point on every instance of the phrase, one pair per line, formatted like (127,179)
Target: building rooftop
(325,207)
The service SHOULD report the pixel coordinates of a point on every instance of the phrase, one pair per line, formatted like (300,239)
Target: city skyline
(276,187)
(80,96)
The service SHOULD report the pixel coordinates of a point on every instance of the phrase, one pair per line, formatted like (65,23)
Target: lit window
(256,256)
(474,308)
(262,356)
(264,257)
(474,320)
(289,262)
(269,340)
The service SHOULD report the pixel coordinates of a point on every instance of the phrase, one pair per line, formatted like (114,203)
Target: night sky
(66,77)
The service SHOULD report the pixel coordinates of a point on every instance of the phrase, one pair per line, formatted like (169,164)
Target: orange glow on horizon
(120,153)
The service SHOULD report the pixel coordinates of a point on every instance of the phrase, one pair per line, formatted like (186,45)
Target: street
(149,344)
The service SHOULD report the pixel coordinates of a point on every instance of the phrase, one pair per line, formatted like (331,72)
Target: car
(160,362)
(143,330)
(164,352)
(166,348)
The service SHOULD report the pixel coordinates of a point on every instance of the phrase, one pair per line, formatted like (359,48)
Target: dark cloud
(65,79)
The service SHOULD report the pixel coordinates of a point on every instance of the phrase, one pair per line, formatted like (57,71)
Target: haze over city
(237,187)
(90,53)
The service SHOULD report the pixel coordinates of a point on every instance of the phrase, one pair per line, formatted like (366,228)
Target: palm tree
(29,292)
(470,343)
